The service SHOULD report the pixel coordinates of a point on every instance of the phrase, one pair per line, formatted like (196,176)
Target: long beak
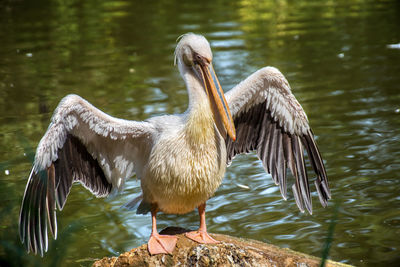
(218,102)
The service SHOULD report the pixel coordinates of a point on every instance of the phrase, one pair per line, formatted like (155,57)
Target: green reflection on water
(119,56)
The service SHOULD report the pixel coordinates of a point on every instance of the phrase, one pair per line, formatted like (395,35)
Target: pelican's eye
(197,59)
(200,60)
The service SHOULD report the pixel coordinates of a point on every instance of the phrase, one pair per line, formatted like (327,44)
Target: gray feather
(269,119)
(46,187)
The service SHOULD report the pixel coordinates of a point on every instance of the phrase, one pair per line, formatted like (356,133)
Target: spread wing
(85,145)
(270,120)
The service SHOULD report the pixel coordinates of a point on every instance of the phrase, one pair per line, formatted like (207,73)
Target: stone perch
(232,251)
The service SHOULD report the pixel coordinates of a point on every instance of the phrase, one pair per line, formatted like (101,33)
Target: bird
(179,159)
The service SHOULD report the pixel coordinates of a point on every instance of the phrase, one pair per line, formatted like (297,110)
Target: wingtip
(297,198)
(32,220)
(323,195)
(309,206)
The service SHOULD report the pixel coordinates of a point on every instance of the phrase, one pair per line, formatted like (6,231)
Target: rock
(231,251)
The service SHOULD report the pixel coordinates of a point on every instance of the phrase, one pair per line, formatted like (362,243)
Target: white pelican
(179,159)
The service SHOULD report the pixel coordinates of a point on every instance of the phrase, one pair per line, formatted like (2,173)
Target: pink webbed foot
(161,244)
(201,237)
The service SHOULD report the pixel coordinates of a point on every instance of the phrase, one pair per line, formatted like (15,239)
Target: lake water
(342,59)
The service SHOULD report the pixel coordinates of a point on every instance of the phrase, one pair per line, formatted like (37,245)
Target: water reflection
(119,56)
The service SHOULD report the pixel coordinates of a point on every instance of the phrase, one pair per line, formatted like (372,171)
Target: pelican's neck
(199,127)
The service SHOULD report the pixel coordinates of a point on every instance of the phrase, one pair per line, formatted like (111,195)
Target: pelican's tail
(137,203)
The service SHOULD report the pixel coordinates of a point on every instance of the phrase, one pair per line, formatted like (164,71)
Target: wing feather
(271,154)
(281,165)
(270,120)
(262,148)
(82,144)
(51,202)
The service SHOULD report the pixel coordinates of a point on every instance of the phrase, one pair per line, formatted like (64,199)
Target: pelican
(179,159)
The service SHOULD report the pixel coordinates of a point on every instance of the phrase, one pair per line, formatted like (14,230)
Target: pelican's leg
(201,235)
(159,244)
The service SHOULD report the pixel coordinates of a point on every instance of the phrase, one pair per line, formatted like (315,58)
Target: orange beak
(217,99)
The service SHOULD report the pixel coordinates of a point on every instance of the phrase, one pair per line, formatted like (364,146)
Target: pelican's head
(193,55)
